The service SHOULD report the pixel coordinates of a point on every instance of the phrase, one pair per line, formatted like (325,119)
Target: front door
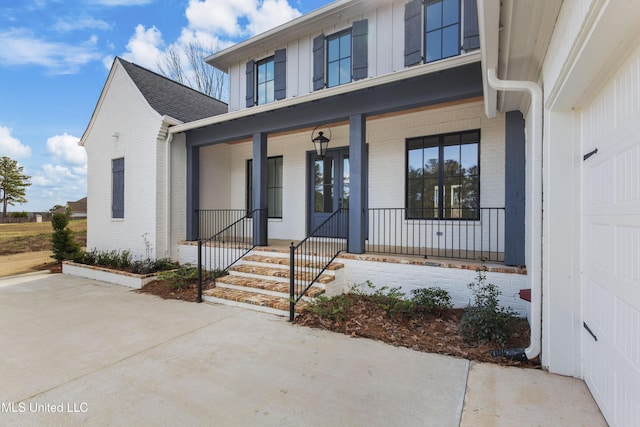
(329,188)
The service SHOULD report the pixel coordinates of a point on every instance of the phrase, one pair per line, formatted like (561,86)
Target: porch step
(261,282)
(250,270)
(284,260)
(268,287)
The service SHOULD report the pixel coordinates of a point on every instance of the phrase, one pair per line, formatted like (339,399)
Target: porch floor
(282,246)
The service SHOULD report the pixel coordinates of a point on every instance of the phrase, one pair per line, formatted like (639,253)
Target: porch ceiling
(452,84)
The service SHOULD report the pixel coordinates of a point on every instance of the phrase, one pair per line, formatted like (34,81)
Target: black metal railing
(311,257)
(228,243)
(462,233)
(211,221)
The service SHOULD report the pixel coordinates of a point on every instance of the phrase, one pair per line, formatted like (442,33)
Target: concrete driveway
(76,351)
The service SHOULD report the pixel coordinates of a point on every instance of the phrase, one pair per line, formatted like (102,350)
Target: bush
(122,260)
(431,300)
(390,299)
(64,245)
(334,308)
(19,215)
(485,320)
(182,277)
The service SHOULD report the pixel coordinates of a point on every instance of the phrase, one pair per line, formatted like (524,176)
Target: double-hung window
(442,29)
(339,59)
(267,79)
(439,29)
(443,176)
(274,186)
(265,82)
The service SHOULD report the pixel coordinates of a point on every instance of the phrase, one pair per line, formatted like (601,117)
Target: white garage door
(611,236)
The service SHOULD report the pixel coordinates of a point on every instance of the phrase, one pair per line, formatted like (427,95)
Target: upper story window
(265,83)
(339,59)
(439,29)
(267,79)
(442,29)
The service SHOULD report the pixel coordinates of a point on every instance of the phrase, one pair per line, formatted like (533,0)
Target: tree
(64,245)
(185,64)
(13,183)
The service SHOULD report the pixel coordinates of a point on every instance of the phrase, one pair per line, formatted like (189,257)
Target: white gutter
(534,154)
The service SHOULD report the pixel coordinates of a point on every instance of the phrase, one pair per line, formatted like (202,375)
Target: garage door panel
(611,255)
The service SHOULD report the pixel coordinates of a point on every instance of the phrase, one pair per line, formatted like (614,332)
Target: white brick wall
(124,110)
(453,280)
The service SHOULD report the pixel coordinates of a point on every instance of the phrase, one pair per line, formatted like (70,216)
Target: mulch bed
(162,289)
(433,335)
(365,319)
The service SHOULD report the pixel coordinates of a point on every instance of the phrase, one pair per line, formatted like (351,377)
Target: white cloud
(235,18)
(270,14)
(65,149)
(80,23)
(56,184)
(144,47)
(12,147)
(121,2)
(21,47)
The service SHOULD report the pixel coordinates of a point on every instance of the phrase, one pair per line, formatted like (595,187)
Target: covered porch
(258,173)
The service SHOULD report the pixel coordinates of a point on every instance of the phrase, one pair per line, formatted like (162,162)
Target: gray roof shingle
(171,98)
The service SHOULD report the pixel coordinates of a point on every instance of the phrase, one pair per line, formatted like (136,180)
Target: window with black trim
(265,81)
(439,29)
(117,188)
(274,186)
(339,59)
(443,176)
(442,29)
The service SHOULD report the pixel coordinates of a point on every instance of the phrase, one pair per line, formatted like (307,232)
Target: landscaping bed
(433,334)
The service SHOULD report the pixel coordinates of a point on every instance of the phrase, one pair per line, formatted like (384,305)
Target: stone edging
(117,277)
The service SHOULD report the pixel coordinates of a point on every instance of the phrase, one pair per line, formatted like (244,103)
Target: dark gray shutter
(250,83)
(117,190)
(318,62)
(471,38)
(280,73)
(412,33)
(360,49)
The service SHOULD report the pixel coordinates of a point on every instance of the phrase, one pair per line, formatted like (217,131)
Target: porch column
(357,182)
(514,198)
(260,200)
(193,191)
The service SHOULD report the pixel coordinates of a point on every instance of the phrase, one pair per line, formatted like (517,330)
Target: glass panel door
(330,186)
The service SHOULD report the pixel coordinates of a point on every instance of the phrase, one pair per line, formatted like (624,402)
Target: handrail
(232,242)
(310,258)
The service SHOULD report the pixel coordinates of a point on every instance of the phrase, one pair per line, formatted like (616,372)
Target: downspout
(534,210)
(168,194)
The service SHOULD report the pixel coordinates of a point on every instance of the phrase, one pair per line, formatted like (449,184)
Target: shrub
(391,300)
(485,320)
(431,300)
(64,245)
(184,276)
(335,308)
(18,215)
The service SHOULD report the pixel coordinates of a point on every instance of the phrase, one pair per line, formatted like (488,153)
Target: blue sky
(55,56)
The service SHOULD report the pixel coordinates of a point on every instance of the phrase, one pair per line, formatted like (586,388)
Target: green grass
(35,236)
